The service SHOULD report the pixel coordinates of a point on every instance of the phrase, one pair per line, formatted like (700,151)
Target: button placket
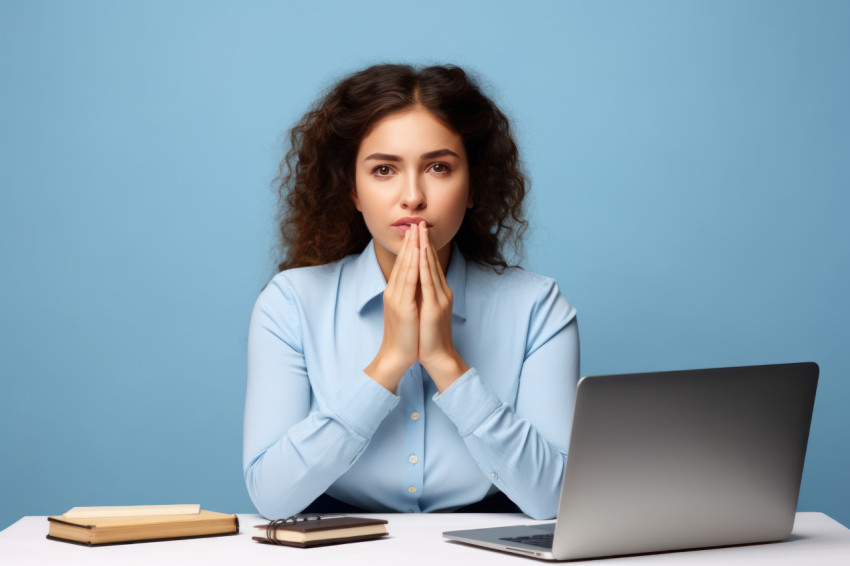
(414,435)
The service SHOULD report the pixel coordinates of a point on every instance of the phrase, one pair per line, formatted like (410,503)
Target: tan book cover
(96,531)
(131,511)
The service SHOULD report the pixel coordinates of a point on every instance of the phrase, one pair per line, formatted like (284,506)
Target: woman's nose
(413,197)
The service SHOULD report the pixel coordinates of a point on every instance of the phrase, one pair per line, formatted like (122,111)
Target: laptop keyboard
(543,541)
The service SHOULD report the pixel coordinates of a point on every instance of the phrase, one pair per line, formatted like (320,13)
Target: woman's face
(411,167)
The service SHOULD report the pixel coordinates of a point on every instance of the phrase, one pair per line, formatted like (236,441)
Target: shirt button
(413,459)
(494,475)
(411,489)
(414,416)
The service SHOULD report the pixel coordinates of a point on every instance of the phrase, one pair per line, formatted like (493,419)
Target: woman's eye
(382,171)
(440,168)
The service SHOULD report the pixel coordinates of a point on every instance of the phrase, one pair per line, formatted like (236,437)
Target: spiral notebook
(305,531)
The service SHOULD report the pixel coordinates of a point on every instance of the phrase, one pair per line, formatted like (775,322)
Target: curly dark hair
(318,220)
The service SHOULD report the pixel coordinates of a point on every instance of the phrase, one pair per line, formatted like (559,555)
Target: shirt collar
(370,282)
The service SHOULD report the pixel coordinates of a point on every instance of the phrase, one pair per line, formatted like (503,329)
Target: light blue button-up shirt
(315,423)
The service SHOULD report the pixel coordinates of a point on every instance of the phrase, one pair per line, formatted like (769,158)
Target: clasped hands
(417,317)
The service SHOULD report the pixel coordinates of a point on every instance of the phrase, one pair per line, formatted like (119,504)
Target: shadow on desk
(496,503)
(662,553)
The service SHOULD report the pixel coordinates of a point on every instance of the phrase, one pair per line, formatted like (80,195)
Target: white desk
(413,540)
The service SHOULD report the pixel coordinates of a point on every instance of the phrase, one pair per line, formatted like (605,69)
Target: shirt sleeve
(293,448)
(523,449)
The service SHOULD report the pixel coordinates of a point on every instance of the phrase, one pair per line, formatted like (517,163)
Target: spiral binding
(271,529)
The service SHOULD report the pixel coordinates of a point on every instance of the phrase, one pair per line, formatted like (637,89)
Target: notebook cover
(327,524)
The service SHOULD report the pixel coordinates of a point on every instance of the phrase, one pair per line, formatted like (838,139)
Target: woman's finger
(437,274)
(397,266)
(411,267)
(426,279)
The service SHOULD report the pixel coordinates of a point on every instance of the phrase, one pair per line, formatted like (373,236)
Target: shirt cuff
(363,404)
(467,402)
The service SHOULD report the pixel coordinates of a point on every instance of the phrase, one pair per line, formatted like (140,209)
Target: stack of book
(96,526)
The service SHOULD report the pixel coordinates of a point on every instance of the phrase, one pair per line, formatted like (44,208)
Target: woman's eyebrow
(438,153)
(383,157)
(398,158)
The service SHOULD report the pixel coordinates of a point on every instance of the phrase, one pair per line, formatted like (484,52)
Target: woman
(396,363)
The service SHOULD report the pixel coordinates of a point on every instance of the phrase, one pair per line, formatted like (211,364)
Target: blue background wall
(689,159)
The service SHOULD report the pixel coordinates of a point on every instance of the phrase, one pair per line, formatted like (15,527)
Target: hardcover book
(100,530)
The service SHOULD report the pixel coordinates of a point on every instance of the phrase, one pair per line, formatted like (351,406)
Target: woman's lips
(403,224)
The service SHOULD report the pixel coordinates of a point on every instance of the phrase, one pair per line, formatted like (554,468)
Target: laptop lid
(686,459)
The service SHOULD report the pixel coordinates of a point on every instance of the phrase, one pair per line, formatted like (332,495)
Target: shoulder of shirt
(511,279)
(516,284)
(311,279)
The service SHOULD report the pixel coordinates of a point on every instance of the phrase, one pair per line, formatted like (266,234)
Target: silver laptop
(674,461)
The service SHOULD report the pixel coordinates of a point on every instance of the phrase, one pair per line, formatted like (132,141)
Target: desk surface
(414,539)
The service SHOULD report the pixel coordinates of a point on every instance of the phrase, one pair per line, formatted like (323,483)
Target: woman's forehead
(410,133)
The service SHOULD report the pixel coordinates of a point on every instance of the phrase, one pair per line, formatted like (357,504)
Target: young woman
(396,362)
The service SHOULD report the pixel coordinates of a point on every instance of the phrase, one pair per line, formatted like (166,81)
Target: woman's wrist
(386,371)
(445,370)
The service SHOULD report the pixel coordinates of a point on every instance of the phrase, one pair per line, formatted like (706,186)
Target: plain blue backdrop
(690,169)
